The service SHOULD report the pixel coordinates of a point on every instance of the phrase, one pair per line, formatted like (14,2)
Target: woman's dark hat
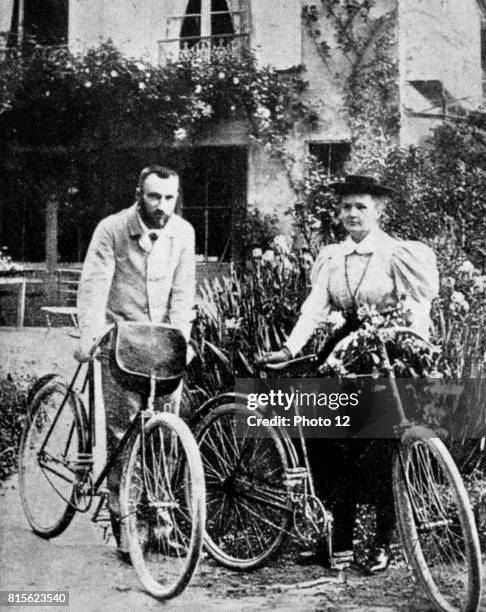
(361,183)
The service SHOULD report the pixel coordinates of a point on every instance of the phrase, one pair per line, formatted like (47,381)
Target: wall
(277,32)
(85,24)
(439,41)
(135,26)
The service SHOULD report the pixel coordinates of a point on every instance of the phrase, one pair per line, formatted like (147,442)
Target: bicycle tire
(238,536)
(47,499)
(163,505)
(436,522)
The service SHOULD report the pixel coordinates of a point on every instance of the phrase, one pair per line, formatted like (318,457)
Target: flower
(466,267)
(256,253)
(221,75)
(142,86)
(88,84)
(264,112)
(458,301)
(281,244)
(268,256)
(457,296)
(180,134)
(47,94)
(230,323)
(236,80)
(168,98)
(139,66)
(7,267)
(114,73)
(480,282)
(206,110)
(335,318)
(198,89)
(449,281)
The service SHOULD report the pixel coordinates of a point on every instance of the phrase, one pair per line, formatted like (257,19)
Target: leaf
(219,353)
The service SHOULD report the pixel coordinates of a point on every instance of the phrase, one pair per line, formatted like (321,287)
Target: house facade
(438,49)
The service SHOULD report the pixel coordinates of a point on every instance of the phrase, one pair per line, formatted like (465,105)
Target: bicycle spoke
(245,488)
(47,478)
(437,542)
(158,495)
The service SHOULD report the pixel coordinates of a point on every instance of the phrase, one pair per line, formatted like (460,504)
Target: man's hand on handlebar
(82,355)
(275,356)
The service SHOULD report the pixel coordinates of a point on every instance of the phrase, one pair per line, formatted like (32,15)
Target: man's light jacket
(122,281)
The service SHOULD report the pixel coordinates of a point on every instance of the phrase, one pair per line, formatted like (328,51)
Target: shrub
(12,415)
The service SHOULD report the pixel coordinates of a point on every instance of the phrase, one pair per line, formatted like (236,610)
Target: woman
(369,268)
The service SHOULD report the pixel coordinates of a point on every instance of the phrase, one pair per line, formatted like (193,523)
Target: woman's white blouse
(381,270)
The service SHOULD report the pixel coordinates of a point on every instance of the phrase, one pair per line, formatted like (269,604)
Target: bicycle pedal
(106,533)
(102,517)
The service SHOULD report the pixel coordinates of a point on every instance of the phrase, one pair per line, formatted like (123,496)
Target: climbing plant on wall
(366,46)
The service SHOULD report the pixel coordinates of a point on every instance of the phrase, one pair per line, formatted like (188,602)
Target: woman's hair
(381,203)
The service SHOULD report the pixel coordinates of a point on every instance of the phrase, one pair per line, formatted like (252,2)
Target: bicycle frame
(301,477)
(84,464)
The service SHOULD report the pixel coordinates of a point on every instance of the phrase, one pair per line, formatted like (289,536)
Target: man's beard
(154,220)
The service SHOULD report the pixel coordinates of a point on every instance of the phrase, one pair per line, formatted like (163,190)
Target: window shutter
(6,13)
(277,32)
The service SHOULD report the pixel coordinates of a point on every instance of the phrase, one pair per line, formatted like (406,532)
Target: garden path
(81,562)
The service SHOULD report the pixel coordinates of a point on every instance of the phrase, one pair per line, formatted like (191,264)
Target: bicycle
(162,493)
(261,490)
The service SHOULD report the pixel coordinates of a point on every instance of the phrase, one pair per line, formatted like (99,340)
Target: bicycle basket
(141,349)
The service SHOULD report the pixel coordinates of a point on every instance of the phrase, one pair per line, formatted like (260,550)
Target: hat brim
(343,188)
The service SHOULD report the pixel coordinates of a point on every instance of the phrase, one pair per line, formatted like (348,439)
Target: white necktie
(147,241)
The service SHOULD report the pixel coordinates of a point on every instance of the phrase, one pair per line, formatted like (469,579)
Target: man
(140,266)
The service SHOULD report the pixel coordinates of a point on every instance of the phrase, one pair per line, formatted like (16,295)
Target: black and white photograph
(243,305)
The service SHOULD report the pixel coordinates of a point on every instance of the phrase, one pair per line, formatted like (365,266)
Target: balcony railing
(28,49)
(203,47)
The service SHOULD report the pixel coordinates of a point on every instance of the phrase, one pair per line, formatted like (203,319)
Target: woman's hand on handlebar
(275,356)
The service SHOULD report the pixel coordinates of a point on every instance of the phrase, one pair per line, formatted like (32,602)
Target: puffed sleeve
(414,270)
(317,305)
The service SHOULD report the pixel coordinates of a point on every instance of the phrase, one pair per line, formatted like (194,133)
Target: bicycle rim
(163,505)
(46,483)
(436,522)
(248,504)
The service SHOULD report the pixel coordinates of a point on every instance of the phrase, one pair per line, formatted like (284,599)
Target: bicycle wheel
(163,505)
(249,509)
(436,522)
(47,479)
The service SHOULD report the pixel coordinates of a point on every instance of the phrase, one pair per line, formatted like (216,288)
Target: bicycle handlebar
(285,364)
(314,357)
(100,339)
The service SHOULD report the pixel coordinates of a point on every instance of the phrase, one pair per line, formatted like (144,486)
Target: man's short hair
(160,171)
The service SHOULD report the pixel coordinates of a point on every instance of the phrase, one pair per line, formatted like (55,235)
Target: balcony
(205,36)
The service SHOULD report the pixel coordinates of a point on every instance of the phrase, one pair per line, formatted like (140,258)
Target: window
(214,190)
(46,22)
(39,23)
(206,28)
(332,155)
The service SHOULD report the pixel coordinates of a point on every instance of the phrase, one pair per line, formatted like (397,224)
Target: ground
(81,562)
